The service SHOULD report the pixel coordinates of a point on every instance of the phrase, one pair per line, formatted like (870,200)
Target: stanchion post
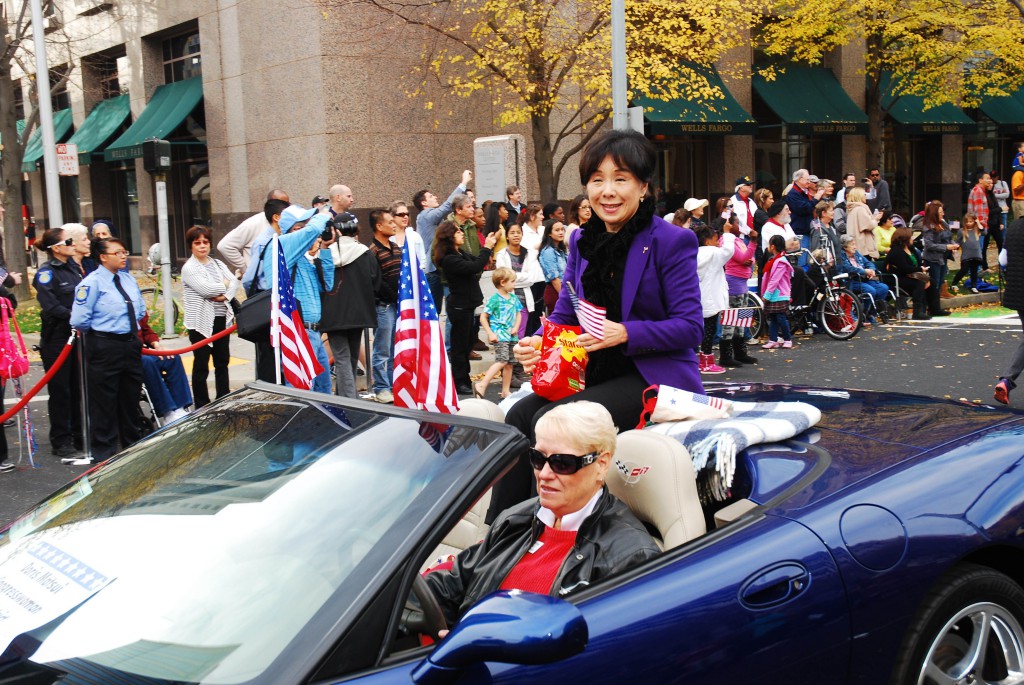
(79,342)
(369,359)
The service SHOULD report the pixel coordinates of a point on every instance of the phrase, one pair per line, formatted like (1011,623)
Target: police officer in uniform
(55,285)
(107,308)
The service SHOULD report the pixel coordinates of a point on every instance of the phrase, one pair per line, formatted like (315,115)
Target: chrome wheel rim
(983,644)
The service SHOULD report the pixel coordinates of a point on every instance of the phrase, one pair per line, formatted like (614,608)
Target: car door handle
(775,585)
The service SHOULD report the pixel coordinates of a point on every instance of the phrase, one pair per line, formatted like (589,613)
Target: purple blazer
(660,303)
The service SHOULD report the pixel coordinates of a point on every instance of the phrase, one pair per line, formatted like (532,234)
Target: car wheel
(969,630)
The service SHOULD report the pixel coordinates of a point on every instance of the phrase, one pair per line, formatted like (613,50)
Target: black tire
(944,631)
(839,314)
(757,304)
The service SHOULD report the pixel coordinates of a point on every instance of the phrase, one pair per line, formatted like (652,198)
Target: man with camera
(305,238)
(389,258)
(878,190)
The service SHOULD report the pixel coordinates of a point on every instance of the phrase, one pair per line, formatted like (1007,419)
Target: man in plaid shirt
(977,201)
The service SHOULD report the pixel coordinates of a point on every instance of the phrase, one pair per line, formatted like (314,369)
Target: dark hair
(419,198)
(574,209)
(510,191)
(778,242)
(272,207)
(193,234)
(706,233)
(530,212)
(901,238)
(546,238)
(492,218)
(885,216)
(931,215)
(550,208)
(444,240)
(628,149)
(51,237)
(377,217)
(681,216)
(100,246)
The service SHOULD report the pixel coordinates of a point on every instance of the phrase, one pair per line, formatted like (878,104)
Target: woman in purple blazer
(643,270)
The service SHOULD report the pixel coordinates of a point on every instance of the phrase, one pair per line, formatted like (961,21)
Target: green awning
(170,105)
(913,119)
(1007,111)
(34,147)
(102,122)
(687,118)
(811,101)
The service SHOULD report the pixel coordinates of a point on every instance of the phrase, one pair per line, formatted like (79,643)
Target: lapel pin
(645,249)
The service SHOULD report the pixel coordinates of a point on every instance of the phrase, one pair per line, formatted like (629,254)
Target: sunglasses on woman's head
(562,464)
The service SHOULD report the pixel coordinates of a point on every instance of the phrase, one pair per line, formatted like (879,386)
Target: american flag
(298,361)
(713,402)
(423,377)
(591,317)
(737,317)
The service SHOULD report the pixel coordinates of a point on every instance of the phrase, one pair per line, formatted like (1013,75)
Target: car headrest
(653,475)
(481,409)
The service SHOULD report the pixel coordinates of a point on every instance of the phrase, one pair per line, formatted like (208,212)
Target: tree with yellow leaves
(946,51)
(547,63)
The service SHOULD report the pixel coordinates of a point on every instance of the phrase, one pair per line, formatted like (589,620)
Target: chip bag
(561,370)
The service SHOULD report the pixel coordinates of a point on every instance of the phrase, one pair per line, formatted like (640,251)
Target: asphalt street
(958,358)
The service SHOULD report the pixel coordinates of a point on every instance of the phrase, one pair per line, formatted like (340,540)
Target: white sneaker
(385,397)
(77,461)
(172,416)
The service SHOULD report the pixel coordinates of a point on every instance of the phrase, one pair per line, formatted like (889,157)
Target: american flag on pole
(296,357)
(591,317)
(423,376)
(742,317)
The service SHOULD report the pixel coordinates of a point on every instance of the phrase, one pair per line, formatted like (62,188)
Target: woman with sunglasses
(572,534)
(55,283)
(107,309)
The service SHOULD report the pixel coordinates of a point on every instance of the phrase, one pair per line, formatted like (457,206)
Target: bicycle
(153,295)
(833,308)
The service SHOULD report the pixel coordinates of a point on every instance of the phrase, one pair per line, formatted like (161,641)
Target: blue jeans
(322,382)
(879,291)
(778,325)
(166,383)
(383,358)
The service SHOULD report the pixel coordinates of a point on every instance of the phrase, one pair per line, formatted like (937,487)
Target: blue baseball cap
(293,215)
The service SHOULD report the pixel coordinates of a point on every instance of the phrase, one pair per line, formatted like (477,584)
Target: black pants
(65,402)
(345,348)
(266,362)
(533,320)
(707,344)
(463,333)
(114,377)
(622,397)
(970,268)
(994,233)
(221,353)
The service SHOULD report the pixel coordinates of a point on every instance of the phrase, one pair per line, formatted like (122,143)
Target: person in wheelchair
(572,534)
(863,277)
(164,378)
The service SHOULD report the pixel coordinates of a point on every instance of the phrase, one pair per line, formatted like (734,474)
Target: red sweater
(537,570)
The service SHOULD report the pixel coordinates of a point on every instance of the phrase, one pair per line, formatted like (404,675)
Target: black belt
(113,336)
(315,327)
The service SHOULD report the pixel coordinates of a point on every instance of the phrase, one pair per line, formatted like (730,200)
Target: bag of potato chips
(561,370)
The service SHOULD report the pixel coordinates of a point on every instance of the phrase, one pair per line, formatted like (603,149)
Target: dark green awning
(34,148)
(1007,111)
(686,118)
(170,105)
(811,101)
(102,122)
(913,119)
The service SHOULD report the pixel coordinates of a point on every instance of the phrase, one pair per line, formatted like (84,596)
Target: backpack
(13,362)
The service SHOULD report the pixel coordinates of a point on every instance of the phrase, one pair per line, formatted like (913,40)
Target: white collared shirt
(571,521)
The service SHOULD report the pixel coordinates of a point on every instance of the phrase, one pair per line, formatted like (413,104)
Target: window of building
(110,85)
(19,101)
(182,59)
(59,87)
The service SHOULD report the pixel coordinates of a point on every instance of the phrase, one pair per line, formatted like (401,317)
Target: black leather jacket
(609,541)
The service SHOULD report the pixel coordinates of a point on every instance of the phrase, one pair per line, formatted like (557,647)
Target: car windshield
(204,550)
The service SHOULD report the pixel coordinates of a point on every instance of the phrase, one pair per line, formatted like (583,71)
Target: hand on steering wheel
(427,618)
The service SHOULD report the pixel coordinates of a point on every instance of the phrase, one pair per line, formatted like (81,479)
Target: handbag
(13,362)
(252,317)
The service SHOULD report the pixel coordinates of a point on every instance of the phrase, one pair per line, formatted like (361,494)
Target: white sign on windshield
(40,583)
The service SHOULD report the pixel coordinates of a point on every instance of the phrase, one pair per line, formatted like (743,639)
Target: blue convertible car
(278,537)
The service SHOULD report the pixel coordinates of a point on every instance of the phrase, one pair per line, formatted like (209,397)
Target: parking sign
(67,159)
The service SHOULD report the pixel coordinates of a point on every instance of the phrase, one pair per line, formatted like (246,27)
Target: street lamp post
(55,213)
(620,117)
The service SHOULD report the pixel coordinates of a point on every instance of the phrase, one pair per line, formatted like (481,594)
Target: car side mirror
(511,627)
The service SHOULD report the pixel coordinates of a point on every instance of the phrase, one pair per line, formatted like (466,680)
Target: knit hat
(776,208)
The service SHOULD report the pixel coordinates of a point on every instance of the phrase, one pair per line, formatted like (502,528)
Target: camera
(345,223)
(865,180)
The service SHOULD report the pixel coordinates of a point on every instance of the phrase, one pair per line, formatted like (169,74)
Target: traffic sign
(67,159)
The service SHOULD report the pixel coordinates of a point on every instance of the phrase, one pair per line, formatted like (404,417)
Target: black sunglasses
(401,213)
(562,464)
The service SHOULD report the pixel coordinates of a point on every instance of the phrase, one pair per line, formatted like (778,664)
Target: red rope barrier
(42,381)
(191,348)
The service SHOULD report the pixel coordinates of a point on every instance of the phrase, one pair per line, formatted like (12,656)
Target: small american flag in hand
(591,317)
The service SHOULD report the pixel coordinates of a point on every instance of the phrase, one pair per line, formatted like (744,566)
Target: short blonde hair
(856,195)
(587,425)
(501,274)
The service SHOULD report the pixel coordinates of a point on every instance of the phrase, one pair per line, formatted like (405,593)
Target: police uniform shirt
(100,307)
(55,285)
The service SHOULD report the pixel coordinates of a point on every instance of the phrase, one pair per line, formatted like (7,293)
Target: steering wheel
(427,619)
